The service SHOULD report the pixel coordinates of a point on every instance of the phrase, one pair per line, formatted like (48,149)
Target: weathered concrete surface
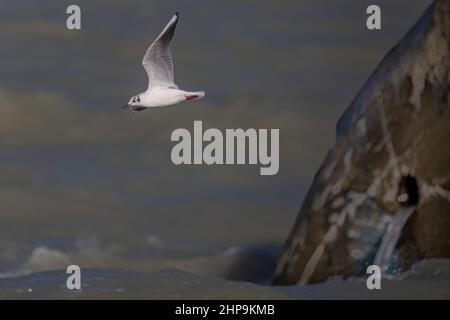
(392,154)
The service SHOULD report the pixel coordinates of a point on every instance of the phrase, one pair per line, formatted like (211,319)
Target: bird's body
(158,63)
(163,97)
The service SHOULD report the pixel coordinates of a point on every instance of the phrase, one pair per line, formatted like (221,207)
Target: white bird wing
(158,60)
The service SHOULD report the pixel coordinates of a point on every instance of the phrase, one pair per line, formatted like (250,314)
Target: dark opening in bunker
(408,191)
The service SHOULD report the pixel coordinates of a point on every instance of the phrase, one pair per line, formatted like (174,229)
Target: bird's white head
(135,101)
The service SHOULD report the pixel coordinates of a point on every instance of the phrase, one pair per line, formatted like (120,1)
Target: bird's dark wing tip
(177,14)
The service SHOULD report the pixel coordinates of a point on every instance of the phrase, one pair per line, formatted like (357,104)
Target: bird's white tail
(194,95)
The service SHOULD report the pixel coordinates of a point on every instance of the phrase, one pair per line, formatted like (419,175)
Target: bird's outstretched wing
(158,60)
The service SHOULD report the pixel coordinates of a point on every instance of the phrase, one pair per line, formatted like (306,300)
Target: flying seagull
(158,63)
